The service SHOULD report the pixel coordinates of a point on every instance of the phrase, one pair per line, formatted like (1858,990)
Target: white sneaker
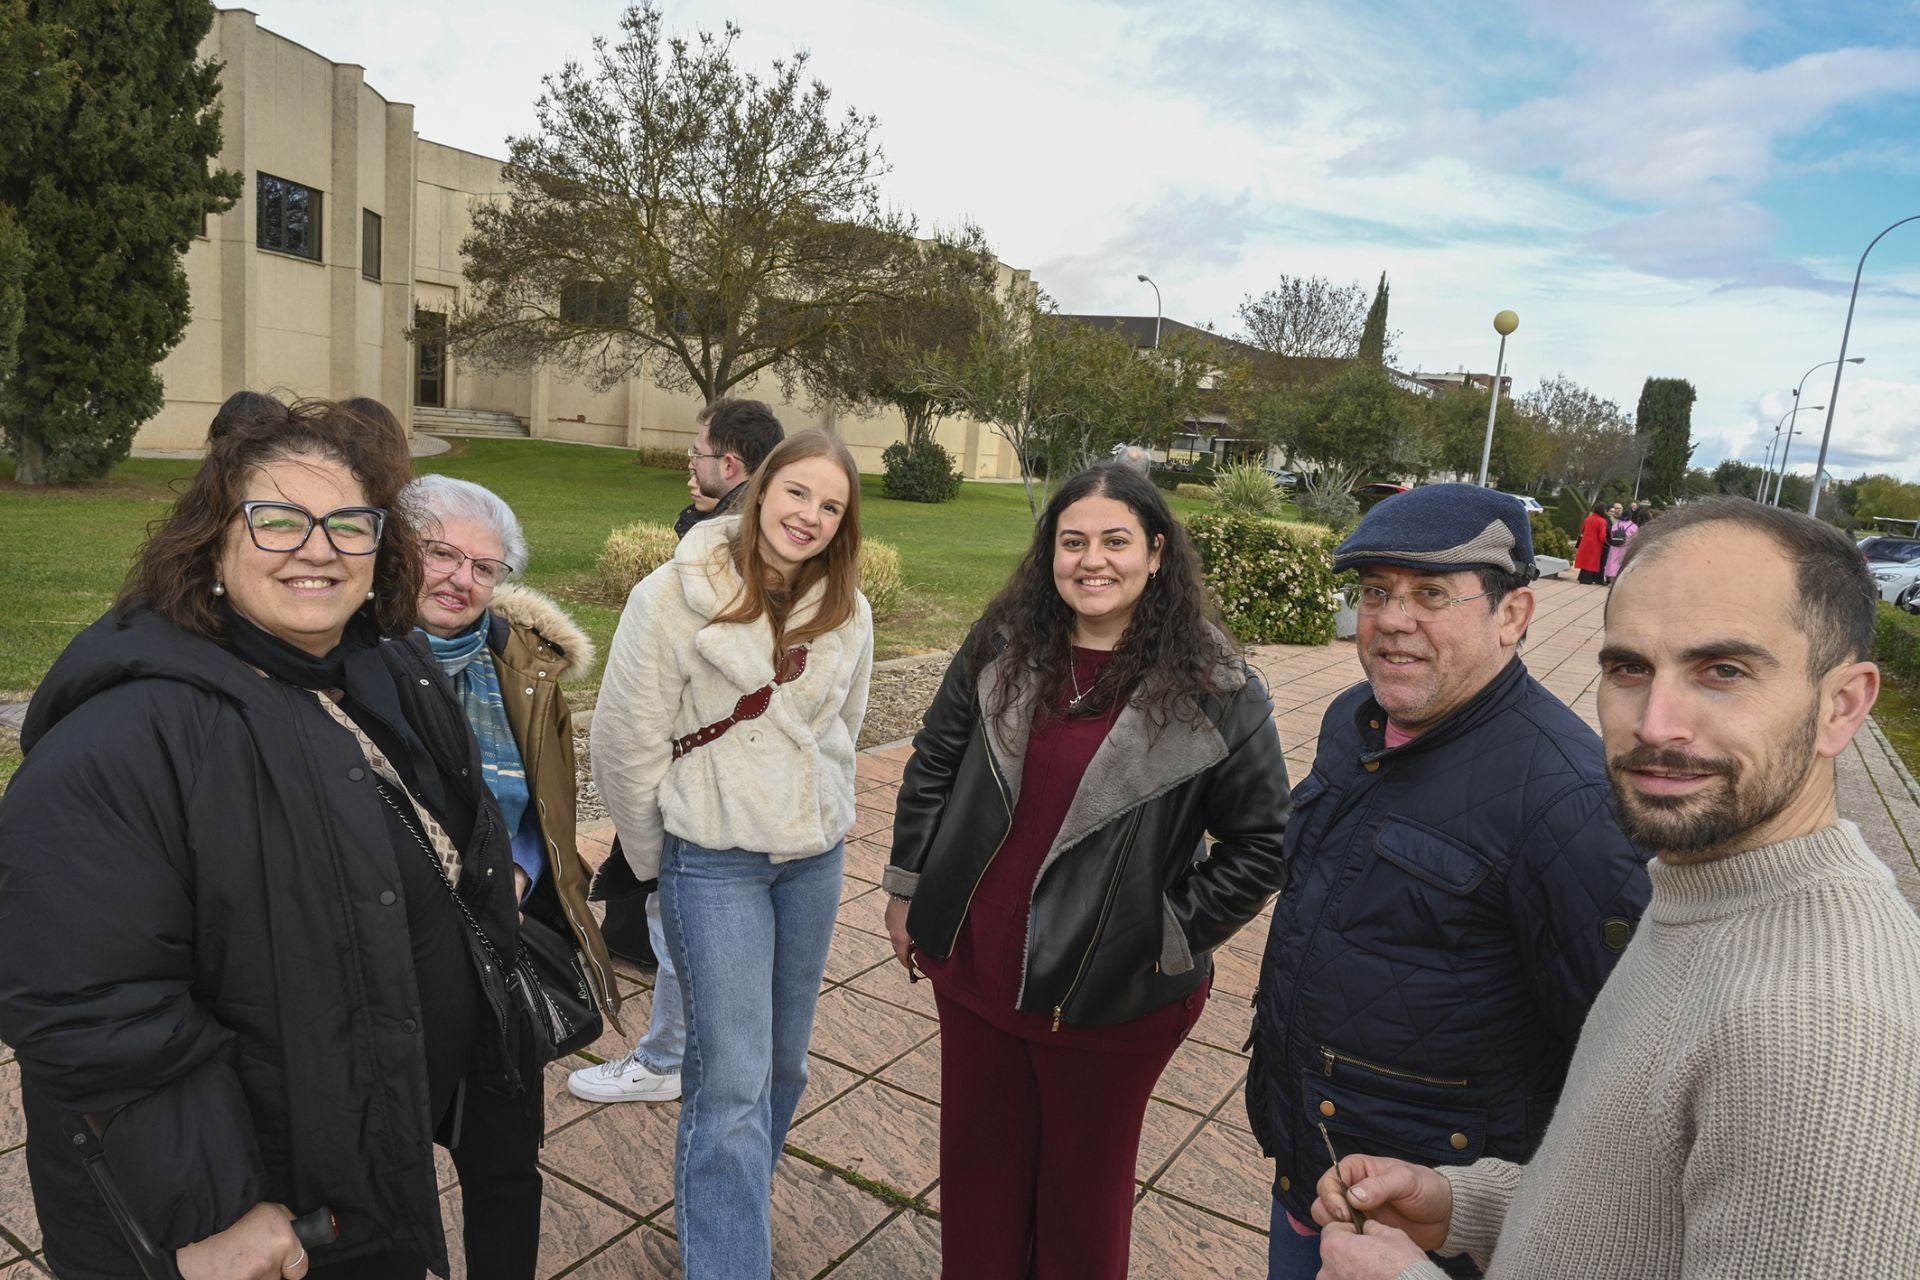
(623,1081)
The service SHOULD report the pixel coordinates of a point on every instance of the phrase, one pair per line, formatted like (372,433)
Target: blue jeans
(749,937)
(1290,1255)
(665,1043)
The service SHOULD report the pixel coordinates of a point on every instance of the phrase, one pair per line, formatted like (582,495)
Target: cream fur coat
(781,785)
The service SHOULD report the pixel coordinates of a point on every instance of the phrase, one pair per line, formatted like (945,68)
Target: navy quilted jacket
(1452,908)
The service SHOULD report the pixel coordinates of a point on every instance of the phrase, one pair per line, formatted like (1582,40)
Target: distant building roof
(1139,330)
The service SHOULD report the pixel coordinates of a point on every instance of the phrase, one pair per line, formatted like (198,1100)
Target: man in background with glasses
(1458,886)
(735,437)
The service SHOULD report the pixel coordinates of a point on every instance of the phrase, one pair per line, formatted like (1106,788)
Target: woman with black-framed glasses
(250,880)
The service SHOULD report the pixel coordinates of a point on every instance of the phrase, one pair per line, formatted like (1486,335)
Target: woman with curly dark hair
(1049,871)
(252,887)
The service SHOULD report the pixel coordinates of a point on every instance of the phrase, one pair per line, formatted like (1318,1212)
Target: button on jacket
(1453,907)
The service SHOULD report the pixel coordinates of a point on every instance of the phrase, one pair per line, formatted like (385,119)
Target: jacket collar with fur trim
(520,606)
(1137,762)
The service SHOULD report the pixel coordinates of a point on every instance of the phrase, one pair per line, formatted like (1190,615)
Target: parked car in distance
(1531,504)
(1282,479)
(1379,491)
(1882,549)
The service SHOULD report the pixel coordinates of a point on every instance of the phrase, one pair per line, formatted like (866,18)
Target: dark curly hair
(1171,650)
(174,572)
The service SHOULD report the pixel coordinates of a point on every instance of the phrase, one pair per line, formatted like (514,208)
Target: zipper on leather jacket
(1099,926)
(1006,802)
(1329,1059)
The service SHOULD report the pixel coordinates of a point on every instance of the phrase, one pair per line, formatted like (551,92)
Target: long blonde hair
(763,590)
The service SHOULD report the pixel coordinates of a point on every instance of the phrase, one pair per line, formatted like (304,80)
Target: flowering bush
(1274,582)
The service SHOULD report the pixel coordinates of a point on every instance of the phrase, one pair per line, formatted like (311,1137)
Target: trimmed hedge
(1896,646)
(1549,539)
(880,578)
(665,459)
(1274,582)
(1204,492)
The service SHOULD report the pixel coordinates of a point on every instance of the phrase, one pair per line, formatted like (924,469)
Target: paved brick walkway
(861,1201)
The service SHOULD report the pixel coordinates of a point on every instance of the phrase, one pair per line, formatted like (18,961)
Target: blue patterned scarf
(469,664)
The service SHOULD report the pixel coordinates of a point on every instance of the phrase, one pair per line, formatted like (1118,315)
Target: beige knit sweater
(1745,1099)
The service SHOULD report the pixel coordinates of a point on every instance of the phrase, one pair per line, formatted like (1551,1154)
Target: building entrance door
(430,359)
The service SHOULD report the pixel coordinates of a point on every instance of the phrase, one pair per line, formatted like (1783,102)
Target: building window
(598,302)
(288,217)
(369,244)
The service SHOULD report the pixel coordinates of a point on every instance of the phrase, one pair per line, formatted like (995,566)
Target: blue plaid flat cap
(1442,528)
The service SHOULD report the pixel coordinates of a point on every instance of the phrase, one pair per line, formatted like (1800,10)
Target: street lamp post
(1787,452)
(1503,324)
(1840,365)
(1156,311)
(1766,471)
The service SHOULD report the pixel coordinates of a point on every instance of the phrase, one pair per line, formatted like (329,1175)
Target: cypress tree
(1373,337)
(1665,413)
(106,171)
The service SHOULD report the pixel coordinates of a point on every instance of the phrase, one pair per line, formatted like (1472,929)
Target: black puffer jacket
(1124,918)
(203,935)
(1452,908)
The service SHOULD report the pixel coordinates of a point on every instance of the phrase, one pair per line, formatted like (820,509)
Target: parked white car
(1895,566)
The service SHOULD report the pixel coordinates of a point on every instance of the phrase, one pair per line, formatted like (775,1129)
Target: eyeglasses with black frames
(444,557)
(284,528)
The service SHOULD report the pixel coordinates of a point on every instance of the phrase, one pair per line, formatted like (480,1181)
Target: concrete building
(331,275)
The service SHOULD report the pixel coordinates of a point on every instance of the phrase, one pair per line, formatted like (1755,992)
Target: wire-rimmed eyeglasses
(1422,604)
(444,557)
(284,528)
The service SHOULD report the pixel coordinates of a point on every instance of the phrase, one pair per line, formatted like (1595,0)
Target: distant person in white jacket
(723,747)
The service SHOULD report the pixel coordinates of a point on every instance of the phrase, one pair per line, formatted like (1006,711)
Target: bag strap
(445,852)
(751,706)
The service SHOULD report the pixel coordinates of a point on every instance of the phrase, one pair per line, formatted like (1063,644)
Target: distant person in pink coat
(1619,534)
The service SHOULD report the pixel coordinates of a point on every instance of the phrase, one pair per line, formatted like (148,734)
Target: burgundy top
(985,969)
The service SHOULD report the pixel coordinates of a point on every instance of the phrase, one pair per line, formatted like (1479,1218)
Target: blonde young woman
(723,747)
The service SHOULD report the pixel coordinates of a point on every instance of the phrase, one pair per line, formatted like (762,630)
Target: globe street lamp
(1156,310)
(1503,324)
(1840,366)
(1787,452)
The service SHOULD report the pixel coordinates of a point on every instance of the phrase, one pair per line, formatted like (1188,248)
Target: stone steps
(468,422)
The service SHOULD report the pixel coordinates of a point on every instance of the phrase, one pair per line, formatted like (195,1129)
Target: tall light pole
(1840,365)
(1503,324)
(1787,452)
(1766,471)
(1156,311)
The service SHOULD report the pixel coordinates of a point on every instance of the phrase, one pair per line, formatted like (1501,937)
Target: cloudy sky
(1658,187)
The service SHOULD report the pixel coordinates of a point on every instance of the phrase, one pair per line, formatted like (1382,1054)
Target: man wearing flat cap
(1458,886)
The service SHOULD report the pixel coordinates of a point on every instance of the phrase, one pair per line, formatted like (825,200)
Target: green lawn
(67,549)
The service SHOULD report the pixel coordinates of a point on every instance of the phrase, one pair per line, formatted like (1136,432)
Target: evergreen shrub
(922,472)
(1274,582)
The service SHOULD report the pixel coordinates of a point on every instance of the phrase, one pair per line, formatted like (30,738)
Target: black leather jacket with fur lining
(1129,903)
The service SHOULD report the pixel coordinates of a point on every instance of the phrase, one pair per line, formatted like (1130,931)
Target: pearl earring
(219,587)
(369,593)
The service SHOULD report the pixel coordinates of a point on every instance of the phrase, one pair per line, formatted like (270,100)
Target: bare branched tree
(1591,439)
(677,215)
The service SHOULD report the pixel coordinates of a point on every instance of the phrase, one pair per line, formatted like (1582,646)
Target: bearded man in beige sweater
(1745,1098)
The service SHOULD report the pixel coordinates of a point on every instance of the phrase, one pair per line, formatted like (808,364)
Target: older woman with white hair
(506,648)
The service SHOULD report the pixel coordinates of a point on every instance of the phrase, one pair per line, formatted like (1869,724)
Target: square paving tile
(1172,1239)
(8,1255)
(825,1082)
(816,1217)
(1222,1170)
(852,953)
(863,1033)
(877,1132)
(889,982)
(13,1121)
(17,1217)
(624,1151)
(908,1246)
(918,1072)
(641,1254)
(1225,1024)
(1162,1135)
(1235,972)
(572,1225)
(1200,1076)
